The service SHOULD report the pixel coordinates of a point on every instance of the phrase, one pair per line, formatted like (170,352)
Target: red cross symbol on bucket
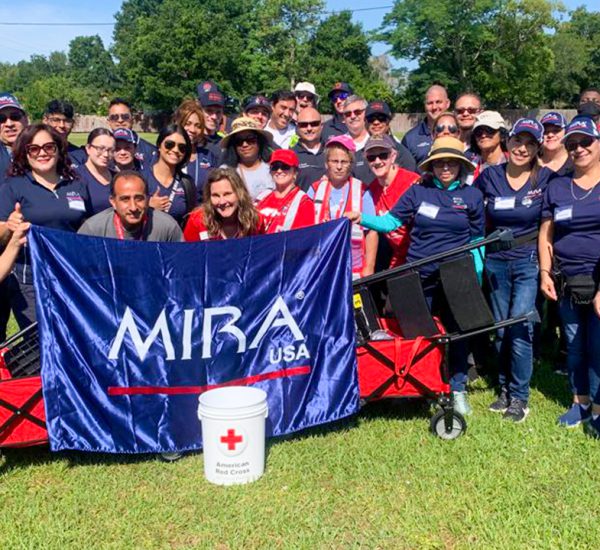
(233,441)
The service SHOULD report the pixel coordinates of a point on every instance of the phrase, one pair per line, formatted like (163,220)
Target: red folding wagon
(405,355)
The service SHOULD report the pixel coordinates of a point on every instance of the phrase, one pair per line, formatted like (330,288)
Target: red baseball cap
(285,156)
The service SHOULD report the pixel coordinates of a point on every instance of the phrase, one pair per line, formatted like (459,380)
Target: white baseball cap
(306,87)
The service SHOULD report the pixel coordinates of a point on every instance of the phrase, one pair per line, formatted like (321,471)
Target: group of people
(458,175)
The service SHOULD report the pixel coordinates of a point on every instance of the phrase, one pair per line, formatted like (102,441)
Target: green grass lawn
(81,138)
(378,480)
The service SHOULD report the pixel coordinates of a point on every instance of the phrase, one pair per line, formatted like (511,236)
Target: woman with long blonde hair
(227,210)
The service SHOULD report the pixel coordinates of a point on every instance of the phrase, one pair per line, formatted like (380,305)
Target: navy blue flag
(132,332)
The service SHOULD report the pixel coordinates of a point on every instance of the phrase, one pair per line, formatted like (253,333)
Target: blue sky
(19,42)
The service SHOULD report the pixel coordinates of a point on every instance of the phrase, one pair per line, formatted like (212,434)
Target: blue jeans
(513,290)
(458,351)
(582,331)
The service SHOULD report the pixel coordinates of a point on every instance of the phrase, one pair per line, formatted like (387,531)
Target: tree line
(514,53)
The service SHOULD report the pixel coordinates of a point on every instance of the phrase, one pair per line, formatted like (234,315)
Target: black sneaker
(501,404)
(517,410)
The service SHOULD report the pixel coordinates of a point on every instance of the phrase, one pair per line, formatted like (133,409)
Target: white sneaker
(461,404)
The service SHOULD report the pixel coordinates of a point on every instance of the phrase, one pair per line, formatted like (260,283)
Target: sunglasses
(49,148)
(250,140)
(15,117)
(124,117)
(311,123)
(374,156)
(463,110)
(305,95)
(377,118)
(484,131)
(585,142)
(450,127)
(276,166)
(170,144)
(443,163)
(356,113)
(340,96)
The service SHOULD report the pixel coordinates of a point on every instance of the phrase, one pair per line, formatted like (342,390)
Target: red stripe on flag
(182,390)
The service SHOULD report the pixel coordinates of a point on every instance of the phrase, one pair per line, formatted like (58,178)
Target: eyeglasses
(276,166)
(339,162)
(585,142)
(311,123)
(377,118)
(450,127)
(484,131)
(356,113)
(125,117)
(49,148)
(374,156)
(170,144)
(337,96)
(102,150)
(463,110)
(249,140)
(59,120)
(15,117)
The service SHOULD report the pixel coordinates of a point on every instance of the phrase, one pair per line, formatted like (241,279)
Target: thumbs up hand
(16,217)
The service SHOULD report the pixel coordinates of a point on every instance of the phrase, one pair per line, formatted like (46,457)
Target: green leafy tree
(500,48)
(576,49)
(91,64)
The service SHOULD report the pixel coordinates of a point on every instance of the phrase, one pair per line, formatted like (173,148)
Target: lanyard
(343,202)
(120,230)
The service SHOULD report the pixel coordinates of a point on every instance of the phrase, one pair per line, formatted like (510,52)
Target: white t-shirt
(282,137)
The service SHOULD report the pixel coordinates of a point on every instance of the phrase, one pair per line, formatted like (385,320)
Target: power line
(104,24)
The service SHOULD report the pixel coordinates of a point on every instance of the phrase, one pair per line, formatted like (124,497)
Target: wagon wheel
(448,424)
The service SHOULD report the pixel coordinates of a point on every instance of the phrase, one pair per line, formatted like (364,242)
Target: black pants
(19,298)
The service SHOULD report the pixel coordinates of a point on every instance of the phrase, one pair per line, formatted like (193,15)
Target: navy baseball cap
(581,125)
(378,108)
(528,126)
(257,101)
(340,87)
(210,95)
(8,100)
(379,142)
(124,134)
(554,118)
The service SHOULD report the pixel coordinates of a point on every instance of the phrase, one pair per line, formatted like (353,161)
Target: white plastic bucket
(233,434)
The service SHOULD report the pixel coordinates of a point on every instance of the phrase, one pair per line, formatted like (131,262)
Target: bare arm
(545,253)
(9,256)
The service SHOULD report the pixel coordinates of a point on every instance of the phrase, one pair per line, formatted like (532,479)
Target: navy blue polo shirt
(198,170)
(176,192)
(5,160)
(213,143)
(335,126)
(404,157)
(441,219)
(311,165)
(145,152)
(418,141)
(65,208)
(77,155)
(576,225)
(520,211)
(98,192)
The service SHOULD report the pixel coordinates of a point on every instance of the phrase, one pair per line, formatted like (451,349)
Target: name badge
(563,213)
(428,210)
(504,203)
(76,204)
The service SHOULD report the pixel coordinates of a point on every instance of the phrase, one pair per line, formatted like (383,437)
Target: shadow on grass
(13,459)
(551,385)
